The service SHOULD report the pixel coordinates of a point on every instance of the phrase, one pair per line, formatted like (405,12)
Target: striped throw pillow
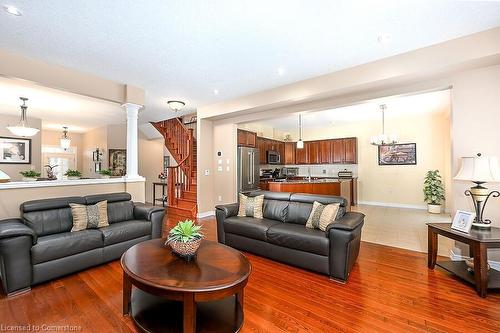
(322,215)
(251,206)
(89,216)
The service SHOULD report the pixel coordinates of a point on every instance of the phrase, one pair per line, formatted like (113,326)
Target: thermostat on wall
(219,153)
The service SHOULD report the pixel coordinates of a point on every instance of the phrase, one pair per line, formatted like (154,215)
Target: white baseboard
(391,204)
(205,214)
(457,257)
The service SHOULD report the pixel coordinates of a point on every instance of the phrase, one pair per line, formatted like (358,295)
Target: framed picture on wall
(398,154)
(15,150)
(118,162)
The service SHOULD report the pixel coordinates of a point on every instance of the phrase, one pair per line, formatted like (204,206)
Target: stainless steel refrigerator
(248,169)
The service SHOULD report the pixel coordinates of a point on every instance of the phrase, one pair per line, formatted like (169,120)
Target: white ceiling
(57,108)
(397,107)
(185,49)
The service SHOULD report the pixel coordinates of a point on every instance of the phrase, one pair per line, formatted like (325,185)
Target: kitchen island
(330,186)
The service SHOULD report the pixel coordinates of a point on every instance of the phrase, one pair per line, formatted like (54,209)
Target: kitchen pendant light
(65,140)
(22,129)
(300,143)
(176,105)
(383,139)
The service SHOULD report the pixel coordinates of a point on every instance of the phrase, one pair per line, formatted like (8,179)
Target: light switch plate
(219,168)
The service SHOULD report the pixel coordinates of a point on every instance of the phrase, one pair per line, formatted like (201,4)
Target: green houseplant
(184,239)
(105,173)
(73,174)
(433,191)
(30,175)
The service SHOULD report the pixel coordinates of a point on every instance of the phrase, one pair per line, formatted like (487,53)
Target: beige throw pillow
(251,206)
(322,215)
(89,216)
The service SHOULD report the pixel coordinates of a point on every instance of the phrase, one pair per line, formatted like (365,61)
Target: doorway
(62,160)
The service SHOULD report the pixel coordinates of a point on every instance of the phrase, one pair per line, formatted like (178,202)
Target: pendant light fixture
(65,140)
(22,129)
(176,106)
(383,139)
(300,143)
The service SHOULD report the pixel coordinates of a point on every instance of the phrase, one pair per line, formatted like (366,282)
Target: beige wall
(117,136)
(205,141)
(98,137)
(36,143)
(150,163)
(224,167)
(51,138)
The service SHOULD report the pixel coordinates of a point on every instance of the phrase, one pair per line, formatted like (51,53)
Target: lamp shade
(479,169)
(4,177)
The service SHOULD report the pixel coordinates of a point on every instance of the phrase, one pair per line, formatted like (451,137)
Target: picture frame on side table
(15,150)
(463,221)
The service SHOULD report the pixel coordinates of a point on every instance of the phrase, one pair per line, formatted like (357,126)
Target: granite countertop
(313,181)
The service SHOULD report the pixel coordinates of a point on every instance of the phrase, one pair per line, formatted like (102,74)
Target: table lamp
(479,170)
(4,178)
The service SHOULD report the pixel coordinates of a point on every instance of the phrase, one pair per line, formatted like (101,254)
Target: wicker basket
(185,250)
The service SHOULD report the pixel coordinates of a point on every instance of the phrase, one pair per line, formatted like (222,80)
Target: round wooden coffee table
(173,295)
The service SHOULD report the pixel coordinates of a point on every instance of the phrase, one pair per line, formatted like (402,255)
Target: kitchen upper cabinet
(261,144)
(326,152)
(338,155)
(301,155)
(281,151)
(313,148)
(350,150)
(247,138)
(289,153)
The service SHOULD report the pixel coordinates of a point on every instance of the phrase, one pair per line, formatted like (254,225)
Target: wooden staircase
(181,179)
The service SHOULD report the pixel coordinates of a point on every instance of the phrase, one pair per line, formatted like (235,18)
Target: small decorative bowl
(185,250)
(470,265)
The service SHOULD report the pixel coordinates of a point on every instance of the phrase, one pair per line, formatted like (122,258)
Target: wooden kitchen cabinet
(262,145)
(313,152)
(289,156)
(247,138)
(325,152)
(338,154)
(301,155)
(350,150)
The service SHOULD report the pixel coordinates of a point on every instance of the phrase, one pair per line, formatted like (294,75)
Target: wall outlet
(207,172)
(219,198)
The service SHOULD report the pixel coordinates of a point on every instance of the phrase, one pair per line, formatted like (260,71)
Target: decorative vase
(29,179)
(73,177)
(434,209)
(185,250)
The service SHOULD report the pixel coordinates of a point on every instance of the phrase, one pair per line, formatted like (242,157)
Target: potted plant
(105,173)
(433,191)
(73,174)
(30,175)
(184,239)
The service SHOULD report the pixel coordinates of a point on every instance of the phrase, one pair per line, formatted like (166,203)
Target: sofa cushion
(251,206)
(295,236)
(65,244)
(124,231)
(120,206)
(249,226)
(89,216)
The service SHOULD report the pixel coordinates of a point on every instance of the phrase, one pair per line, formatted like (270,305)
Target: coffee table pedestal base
(157,314)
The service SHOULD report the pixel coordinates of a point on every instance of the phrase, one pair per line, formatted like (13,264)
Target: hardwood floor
(389,290)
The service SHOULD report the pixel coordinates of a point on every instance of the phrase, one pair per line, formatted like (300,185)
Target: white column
(132,141)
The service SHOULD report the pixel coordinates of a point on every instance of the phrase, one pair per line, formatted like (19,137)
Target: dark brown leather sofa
(282,235)
(39,246)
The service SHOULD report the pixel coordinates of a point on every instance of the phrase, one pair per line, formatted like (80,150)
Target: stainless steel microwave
(273,157)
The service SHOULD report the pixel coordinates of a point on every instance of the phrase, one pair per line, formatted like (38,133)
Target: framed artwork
(15,150)
(463,221)
(118,162)
(398,154)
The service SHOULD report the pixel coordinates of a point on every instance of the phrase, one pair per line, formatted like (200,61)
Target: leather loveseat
(282,235)
(39,246)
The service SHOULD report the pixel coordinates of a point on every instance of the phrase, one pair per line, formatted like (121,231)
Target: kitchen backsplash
(319,170)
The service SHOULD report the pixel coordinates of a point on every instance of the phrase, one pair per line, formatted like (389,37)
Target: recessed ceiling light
(280,71)
(384,38)
(12,10)
(216,92)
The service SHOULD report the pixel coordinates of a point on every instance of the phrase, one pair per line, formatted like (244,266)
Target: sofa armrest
(222,212)
(153,214)
(228,210)
(345,240)
(350,221)
(15,227)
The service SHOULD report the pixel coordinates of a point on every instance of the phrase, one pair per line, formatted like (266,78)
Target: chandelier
(65,140)
(383,139)
(22,129)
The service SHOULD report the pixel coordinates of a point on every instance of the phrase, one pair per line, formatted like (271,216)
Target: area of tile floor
(401,227)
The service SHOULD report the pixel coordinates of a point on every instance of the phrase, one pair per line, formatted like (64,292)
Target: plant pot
(434,209)
(185,250)
(29,179)
(73,177)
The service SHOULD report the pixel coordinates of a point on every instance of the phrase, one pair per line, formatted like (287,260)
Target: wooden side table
(479,240)
(163,196)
